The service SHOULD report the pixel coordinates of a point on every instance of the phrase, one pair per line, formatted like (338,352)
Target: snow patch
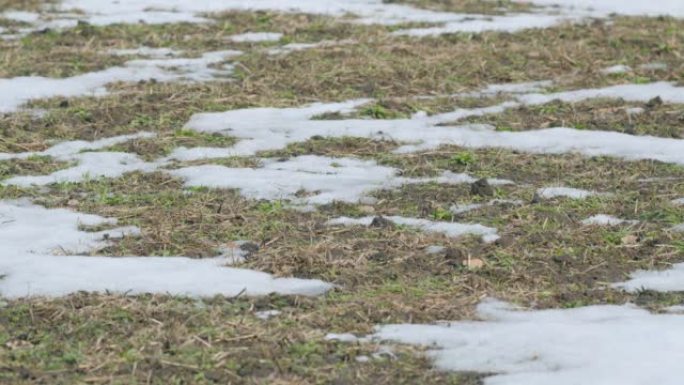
(662,280)
(88,164)
(587,345)
(14,92)
(256,37)
(30,237)
(564,192)
(21,16)
(155,53)
(605,8)
(267,314)
(450,229)
(307,180)
(262,129)
(606,220)
(616,69)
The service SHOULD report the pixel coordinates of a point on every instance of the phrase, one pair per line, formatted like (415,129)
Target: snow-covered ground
(587,345)
(43,252)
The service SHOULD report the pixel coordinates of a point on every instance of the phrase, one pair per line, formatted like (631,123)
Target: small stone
(381,222)
(249,247)
(482,188)
(536,199)
(655,102)
(367,209)
(456,257)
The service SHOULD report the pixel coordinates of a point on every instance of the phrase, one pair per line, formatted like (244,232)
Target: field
(341,192)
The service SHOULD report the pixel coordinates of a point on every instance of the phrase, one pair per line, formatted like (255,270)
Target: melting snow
(307,179)
(104,12)
(434,249)
(477,24)
(605,8)
(616,69)
(450,229)
(661,280)
(267,314)
(16,91)
(606,220)
(88,164)
(653,66)
(634,110)
(464,208)
(155,53)
(256,37)
(261,129)
(342,337)
(565,192)
(668,92)
(31,235)
(368,12)
(21,16)
(589,345)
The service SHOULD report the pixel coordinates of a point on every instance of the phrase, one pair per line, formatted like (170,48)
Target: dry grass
(545,257)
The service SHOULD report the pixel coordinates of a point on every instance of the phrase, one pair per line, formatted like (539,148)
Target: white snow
(90,165)
(256,37)
(464,208)
(261,129)
(512,88)
(293,47)
(155,53)
(653,66)
(616,69)
(87,164)
(64,150)
(477,24)
(342,337)
(434,249)
(16,91)
(38,257)
(267,314)
(678,202)
(604,8)
(104,12)
(450,229)
(588,345)
(667,91)
(321,179)
(21,16)
(661,280)
(634,110)
(564,192)
(606,220)
(367,11)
